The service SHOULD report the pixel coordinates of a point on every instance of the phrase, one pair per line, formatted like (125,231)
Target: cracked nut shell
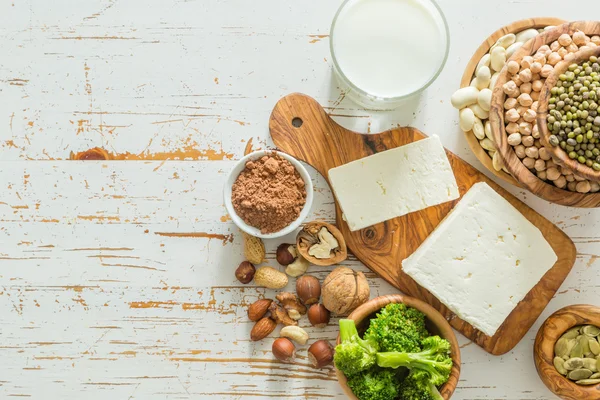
(309,237)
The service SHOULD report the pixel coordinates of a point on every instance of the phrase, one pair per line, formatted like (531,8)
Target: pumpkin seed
(559,364)
(577,351)
(572,333)
(588,382)
(585,345)
(579,374)
(590,363)
(591,330)
(595,376)
(574,363)
(561,347)
(594,347)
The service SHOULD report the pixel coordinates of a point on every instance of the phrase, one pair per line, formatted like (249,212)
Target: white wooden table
(116,278)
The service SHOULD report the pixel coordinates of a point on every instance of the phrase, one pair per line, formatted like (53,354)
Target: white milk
(389,48)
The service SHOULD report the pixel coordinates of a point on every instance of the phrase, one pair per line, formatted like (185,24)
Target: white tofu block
(482,259)
(394,183)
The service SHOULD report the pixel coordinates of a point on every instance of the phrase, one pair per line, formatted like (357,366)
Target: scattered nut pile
(577,355)
(343,290)
(527,79)
(474,101)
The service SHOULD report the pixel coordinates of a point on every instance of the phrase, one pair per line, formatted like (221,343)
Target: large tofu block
(394,183)
(482,259)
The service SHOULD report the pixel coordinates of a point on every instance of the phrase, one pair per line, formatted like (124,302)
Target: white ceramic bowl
(235,172)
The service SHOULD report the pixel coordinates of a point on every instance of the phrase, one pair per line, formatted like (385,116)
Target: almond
(258,309)
(262,329)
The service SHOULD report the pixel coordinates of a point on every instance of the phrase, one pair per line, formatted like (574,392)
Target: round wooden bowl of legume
(513,116)
(567,352)
(480,141)
(567,116)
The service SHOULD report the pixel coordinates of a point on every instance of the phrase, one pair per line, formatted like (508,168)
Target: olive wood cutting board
(300,127)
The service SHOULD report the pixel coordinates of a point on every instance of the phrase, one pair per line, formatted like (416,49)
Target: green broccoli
(398,328)
(414,388)
(375,384)
(353,354)
(433,364)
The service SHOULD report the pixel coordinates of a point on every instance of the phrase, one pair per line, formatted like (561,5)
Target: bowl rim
(238,168)
(433,315)
(390,99)
(483,49)
(542,114)
(543,350)
(507,153)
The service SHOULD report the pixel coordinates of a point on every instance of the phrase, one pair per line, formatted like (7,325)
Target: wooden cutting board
(300,127)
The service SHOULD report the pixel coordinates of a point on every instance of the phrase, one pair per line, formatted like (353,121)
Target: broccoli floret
(414,388)
(353,354)
(375,384)
(398,328)
(432,364)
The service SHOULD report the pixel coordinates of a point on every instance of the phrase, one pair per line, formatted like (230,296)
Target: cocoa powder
(269,193)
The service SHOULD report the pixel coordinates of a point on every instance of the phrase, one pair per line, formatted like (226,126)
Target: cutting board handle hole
(297,122)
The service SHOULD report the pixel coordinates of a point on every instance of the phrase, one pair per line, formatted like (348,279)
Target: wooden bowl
(340,255)
(436,324)
(543,351)
(482,50)
(507,153)
(557,152)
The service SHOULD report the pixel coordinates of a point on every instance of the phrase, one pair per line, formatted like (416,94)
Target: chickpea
(552,173)
(512,115)
(540,165)
(562,52)
(529,162)
(510,89)
(572,186)
(595,39)
(554,46)
(554,59)
(545,155)
(514,139)
(534,106)
(525,100)
(526,62)
(530,116)
(560,182)
(510,103)
(537,85)
(579,38)
(546,70)
(572,48)
(526,88)
(525,75)
(513,127)
(539,58)
(535,96)
(532,152)
(565,40)
(512,67)
(595,186)
(517,80)
(536,68)
(527,141)
(544,48)
(525,129)
(520,151)
(541,175)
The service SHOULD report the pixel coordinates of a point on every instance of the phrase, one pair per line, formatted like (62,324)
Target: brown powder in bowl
(269,193)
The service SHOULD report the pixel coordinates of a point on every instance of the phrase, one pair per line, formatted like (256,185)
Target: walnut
(344,290)
(280,315)
(292,304)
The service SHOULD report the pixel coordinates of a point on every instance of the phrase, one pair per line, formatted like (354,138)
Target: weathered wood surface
(113,311)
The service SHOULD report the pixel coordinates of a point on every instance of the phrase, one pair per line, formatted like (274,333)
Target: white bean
(512,48)
(483,77)
(487,144)
(479,112)
(526,35)
(488,130)
(484,99)
(498,58)
(493,80)
(484,62)
(464,97)
(466,119)
(497,162)
(506,40)
(478,129)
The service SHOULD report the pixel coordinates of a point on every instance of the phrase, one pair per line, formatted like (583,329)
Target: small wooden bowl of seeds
(564,75)
(567,352)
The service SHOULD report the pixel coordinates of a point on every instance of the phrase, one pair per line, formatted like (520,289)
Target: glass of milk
(387,50)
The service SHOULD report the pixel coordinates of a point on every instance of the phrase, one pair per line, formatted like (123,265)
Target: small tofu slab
(482,259)
(394,183)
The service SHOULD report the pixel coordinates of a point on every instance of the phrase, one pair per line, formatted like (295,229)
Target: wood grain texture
(436,324)
(512,163)
(467,77)
(324,144)
(543,352)
(557,152)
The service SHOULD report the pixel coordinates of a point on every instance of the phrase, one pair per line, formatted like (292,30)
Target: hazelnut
(320,353)
(284,350)
(286,254)
(318,315)
(245,272)
(308,289)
